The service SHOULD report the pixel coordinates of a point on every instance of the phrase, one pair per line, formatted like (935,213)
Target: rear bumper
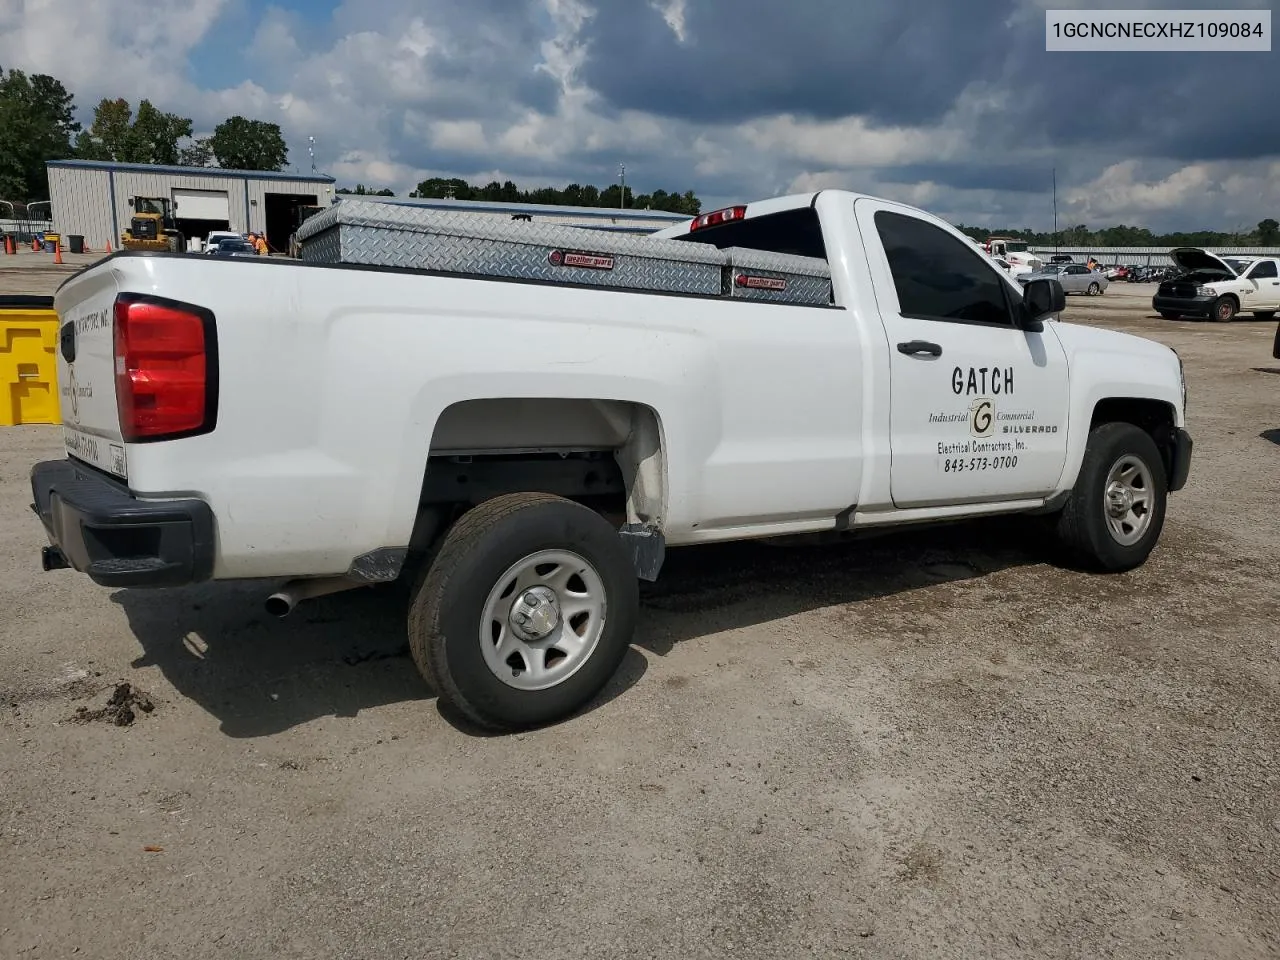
(1185,306)
(117,540)
(1180,462)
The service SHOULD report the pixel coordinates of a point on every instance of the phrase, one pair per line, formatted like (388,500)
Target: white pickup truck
(523,452)
(1219,288)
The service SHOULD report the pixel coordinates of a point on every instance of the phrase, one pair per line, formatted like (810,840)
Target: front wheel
(1115,513)
(1224,309)
(1094,289)
(525,612)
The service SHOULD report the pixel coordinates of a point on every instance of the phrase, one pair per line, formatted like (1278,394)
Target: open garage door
(198,212)
(282,211)
(201,205)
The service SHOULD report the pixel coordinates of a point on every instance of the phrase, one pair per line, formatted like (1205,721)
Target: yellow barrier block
(28,361)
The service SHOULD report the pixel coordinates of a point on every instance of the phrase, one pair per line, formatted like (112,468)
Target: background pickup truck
(1219,288)
(520,452)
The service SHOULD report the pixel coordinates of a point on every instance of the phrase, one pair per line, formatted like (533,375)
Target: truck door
(1264,279)
(978,406)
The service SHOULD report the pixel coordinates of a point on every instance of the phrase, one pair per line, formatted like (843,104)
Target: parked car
(1219,288)
(1151,274)
(1061,258)
(544,434)
(1074,278)
(234,248)
(217,236)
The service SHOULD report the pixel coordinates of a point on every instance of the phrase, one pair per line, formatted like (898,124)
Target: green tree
(156,134)
(362,191)
(37,123)
(1268,232)
(241,144)
(116,134)
(575,194)
(197,153)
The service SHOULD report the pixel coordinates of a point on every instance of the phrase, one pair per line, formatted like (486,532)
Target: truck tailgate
(86,370)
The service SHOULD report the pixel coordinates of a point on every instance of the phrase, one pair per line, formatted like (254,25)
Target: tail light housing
(166,368)
(717,217)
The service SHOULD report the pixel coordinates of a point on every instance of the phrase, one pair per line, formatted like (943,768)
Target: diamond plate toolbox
(394,235)
(777,277)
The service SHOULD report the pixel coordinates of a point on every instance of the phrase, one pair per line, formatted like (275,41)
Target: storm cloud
(953,106)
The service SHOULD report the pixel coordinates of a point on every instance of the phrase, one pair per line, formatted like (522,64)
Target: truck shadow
(341,654)
(710,589)
(259,675)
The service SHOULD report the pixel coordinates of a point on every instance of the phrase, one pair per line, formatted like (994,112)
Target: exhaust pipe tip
(282,602)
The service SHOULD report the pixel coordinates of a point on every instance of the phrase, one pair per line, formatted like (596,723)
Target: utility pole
(311,151)
(622,192)
(1055,210)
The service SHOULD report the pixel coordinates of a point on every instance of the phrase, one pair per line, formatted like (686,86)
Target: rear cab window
(796,232)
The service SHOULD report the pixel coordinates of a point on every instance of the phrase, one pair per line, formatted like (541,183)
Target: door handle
(919,348)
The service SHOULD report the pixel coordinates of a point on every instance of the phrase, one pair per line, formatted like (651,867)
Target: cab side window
(1264,270)
(939,277)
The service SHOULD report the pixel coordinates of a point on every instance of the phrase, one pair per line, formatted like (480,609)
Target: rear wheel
(525,612)
(1115,513)
(1224,309)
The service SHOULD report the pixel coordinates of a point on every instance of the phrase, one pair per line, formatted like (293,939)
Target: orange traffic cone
(57,252)
(35,245)
(108,246)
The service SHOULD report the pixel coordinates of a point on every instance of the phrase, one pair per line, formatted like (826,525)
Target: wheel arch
(1156,418)
(610,454)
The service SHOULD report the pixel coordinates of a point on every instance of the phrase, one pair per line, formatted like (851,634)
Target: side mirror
(1041,298)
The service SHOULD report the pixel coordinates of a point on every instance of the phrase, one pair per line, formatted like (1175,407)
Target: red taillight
(716,217)
(163,374)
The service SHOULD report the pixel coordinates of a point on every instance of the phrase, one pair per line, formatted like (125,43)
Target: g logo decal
(982,419)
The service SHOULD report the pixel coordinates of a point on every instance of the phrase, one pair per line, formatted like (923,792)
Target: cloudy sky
(952,105)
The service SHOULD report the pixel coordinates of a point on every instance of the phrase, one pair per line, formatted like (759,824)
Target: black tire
(1264,314)
(1169,316)
(1083,527)
(1094,289)
(1224,309)
(448,606)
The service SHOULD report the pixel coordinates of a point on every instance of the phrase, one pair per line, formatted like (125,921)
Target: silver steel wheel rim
(1128,500)
(543,620)
(1094,289)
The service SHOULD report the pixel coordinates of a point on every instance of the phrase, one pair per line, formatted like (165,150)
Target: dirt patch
(121,709)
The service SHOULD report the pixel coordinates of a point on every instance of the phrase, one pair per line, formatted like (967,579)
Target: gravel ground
(936,744)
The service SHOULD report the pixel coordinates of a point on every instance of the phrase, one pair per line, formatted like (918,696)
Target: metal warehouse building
(95,199)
